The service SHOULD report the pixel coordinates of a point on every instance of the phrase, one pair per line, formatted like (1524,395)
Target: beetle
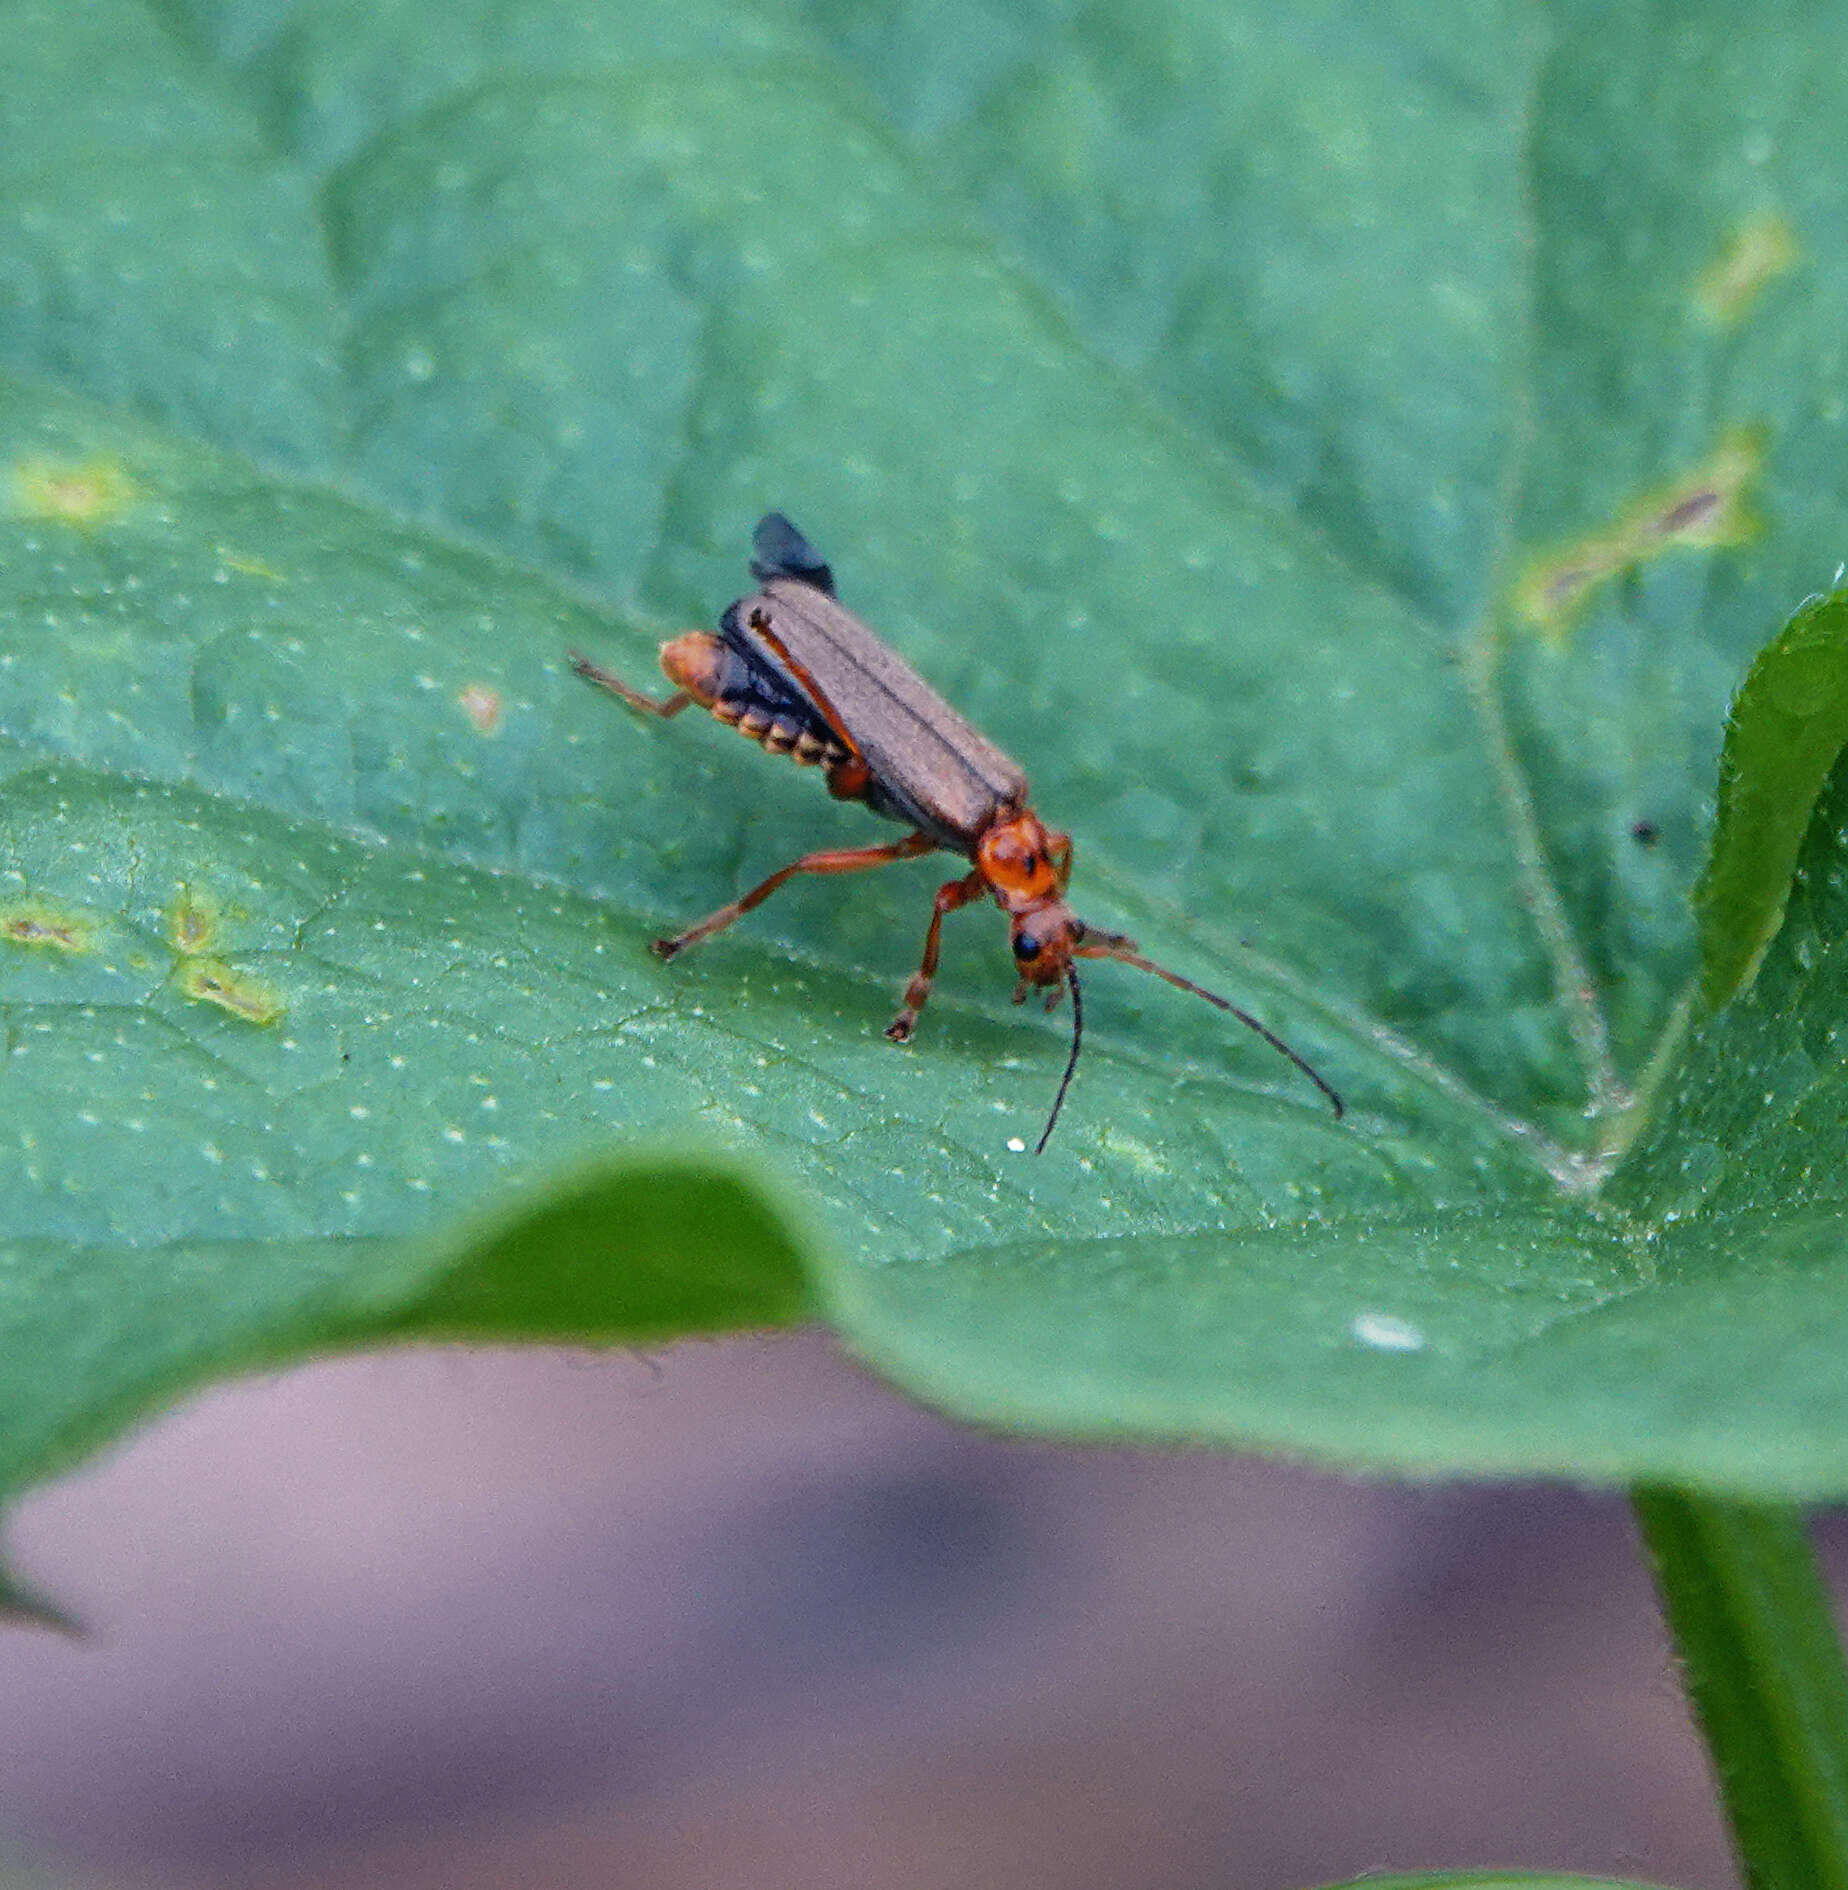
(795,671)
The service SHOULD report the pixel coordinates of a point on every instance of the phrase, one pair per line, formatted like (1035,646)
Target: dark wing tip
(782,552)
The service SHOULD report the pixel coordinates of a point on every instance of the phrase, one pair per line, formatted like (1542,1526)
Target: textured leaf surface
(1350,455)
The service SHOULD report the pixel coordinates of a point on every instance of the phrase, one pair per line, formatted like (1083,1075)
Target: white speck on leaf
(1385,1332)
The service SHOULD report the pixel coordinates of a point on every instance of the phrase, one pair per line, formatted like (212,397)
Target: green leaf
(1787,726)
(1349,455)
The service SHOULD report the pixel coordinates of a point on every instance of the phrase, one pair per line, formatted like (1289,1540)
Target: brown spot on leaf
(32,922)
(1687,513)
(192,923)
(1564,587)
(212,982)
(1703,509)
(482,706)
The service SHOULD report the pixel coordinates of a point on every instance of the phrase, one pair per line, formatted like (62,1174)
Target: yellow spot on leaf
(1753,256)
(85,493)
(212,982)
(482,706)
(31,922)
(1133,1150)
(1702,509)
(252,567)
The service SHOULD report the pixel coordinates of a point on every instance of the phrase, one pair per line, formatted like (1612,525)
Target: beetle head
(1047,939)
(1026,866)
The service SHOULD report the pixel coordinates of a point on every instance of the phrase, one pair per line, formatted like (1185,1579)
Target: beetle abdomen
(739,692)
(781,729)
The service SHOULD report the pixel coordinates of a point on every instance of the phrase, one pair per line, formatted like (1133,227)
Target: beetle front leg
(834,860)
(952,894)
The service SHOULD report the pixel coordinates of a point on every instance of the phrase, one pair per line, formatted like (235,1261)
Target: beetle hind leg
(832,860)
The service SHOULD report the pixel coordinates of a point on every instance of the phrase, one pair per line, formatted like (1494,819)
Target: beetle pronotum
(795,671)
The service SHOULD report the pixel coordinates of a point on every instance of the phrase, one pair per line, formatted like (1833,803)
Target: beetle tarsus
(900,1028)
(667,949)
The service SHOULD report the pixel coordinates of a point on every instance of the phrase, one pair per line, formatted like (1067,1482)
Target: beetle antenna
(1244,1017)
(1071,1064)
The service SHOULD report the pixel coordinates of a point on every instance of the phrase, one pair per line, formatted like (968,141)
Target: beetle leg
(834,860)
(950,895)
(649,705)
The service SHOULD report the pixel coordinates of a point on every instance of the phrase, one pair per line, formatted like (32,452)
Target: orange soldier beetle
(795,671)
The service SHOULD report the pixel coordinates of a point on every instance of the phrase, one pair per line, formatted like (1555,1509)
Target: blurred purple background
(737,1616)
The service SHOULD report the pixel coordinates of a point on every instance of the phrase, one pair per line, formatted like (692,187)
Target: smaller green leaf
(1787,725)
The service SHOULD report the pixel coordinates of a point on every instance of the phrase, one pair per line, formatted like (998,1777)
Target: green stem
(1764,1669)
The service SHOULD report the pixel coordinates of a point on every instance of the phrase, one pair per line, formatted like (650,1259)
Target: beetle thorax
(1026,865)
(1024,862)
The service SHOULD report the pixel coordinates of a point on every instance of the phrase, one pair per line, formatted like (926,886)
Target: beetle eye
(1077,930)
(1026,947)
